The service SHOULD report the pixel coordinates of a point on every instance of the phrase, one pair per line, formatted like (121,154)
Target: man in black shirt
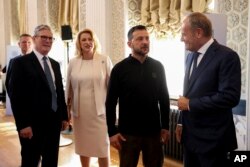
(139,84)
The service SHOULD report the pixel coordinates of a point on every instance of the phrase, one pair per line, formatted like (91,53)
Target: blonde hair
(97,46)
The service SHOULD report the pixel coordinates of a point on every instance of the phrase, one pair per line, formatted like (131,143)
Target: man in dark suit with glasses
(38,103)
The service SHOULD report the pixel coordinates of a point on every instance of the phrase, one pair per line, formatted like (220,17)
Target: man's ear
(199,32)
(129,43)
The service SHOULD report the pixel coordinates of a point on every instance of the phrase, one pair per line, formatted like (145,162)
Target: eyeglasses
(45,38)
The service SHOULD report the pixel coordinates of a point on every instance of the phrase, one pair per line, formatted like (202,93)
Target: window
(171,53)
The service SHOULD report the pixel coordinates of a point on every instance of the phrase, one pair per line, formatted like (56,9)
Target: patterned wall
(237,33)
(134,13)
(53,9)
(118,31)
(237,12)
(82,14)
(15,31)
(42,12)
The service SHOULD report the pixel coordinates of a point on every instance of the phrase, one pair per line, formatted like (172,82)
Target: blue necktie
(51,84)
(195,57)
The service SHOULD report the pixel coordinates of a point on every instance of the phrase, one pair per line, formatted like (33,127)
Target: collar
(204,48)
(39,55)
(131,57)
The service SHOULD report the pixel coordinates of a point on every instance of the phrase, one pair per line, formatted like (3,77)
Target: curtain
(164,16)
(55,13)
(68,14)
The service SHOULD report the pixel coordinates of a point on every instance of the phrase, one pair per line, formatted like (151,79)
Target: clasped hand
(183,103)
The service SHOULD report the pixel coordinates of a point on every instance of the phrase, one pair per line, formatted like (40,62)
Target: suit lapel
(207,58)
(38,68)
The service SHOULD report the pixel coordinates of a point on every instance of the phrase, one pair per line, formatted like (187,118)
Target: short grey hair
(40,28)
(200,20)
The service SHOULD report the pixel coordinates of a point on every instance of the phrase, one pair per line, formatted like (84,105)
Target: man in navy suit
(26,45)
(39,117)
(212,87)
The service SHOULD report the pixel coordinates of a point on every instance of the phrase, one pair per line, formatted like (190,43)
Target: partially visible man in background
(26,45)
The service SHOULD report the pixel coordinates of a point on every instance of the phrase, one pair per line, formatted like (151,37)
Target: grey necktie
(51,83)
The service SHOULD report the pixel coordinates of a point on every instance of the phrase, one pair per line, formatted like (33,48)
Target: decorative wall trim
(237,39)
(82,14)
(53,9)
(14,21)
(237,19)
(118,30)
(42,12)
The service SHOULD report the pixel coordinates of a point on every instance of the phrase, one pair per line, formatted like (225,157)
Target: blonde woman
(87,79)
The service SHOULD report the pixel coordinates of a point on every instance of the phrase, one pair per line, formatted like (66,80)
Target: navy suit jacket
(30,94)
(214,89)
(9,73)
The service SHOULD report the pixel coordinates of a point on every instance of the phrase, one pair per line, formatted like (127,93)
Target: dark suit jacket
(30,94)
(9,73)
(214,89)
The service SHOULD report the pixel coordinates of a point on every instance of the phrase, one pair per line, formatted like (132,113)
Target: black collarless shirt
(143,98)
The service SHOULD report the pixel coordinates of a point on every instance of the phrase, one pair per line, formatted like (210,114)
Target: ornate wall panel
(118,31)
(53,9)
(42,11)
(237,12)
(15,31)
(237,33)
(134,13)
(82,14)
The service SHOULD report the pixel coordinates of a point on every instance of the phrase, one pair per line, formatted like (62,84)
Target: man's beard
(140,51)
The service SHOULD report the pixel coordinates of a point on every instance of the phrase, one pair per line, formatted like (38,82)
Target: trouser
(150,146)
(214,158)
(43,146)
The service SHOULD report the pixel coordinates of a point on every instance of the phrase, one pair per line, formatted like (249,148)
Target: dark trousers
(150,146)
(214,158)
(43,146)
